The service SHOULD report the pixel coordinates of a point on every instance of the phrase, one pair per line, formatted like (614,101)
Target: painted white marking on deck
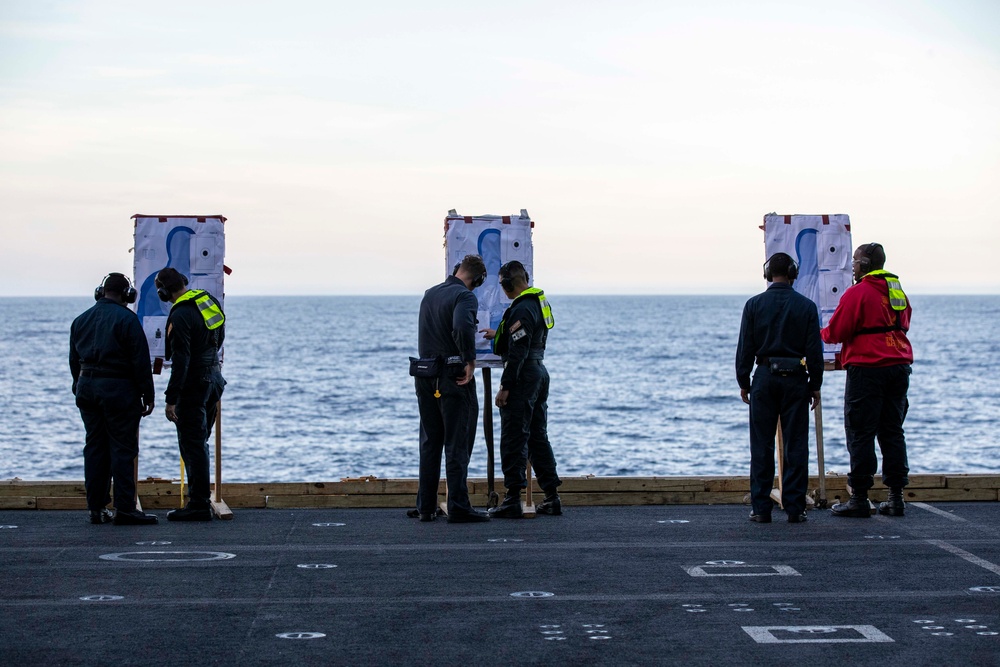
(934,510)
(775,571)
(985,589)
(153,543)
(504,539)
(102,598)
(300,635)
(817,634)
(316,566)
(966,556)
(532,594)
(674,521)
(167,556)
(7,527)
(329,525)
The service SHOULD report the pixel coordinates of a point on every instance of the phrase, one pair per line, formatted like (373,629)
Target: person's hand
(171,413)
(745,395)
(489,334)
(502,395)
(147,406)
(470,372)
(814,399)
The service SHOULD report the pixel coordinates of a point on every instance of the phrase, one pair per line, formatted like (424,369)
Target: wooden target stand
(821,501)
(493,498)
(219,506)
(811,503)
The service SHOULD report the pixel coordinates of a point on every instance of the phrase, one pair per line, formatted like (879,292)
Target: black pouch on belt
(425,368)
(787,365)
(454,367)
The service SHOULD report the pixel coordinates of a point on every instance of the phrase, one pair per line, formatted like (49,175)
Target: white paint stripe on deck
(947,515)
(965,555)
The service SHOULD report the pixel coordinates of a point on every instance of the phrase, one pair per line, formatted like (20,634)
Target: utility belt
(437,367)
(210,367)
(784,366)
(104,373)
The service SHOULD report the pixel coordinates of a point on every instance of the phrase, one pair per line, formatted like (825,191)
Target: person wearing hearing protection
(445,384)
(195,332)
(113,386)
(871,321)
(523,395)
(780,333)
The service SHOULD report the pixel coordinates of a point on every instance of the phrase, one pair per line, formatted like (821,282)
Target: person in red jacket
(871,321)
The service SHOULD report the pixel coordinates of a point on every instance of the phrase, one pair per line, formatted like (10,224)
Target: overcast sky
(646,139)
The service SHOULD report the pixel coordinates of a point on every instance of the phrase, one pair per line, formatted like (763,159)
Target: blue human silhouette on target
(178,244)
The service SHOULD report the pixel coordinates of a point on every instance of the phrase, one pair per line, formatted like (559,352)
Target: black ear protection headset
(865,263)
(479,280)
(162,292)
(793,268)
(506,282)
(128,296)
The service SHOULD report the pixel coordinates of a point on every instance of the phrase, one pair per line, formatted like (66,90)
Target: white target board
(498,239)
(821,246)
(195,246)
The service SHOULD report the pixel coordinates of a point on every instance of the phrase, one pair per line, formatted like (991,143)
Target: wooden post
(219,506)
(493,499)
(776,493)
(527,506)
(821,465)
(135,474)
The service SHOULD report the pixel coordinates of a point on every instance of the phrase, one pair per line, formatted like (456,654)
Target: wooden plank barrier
(157,494)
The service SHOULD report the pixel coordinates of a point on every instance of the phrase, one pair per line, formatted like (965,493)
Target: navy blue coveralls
(109,361)
(195,387)
(779,322)
(524,420)
(447,328)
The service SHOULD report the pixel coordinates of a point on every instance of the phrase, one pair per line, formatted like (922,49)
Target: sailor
(871,321)
(780,332)
(195,332)
(523,394)
(444,379)
(113,385)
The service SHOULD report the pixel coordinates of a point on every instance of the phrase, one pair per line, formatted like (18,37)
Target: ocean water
(318,390)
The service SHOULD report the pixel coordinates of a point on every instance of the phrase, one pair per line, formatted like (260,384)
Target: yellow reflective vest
(897,299)
(542,301)
(209,308)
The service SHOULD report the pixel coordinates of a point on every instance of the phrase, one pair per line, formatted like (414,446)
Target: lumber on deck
(587,490)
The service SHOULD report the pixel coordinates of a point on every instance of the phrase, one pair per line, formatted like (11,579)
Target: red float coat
(866,305)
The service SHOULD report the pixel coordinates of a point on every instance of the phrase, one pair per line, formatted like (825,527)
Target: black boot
(510,508)
(551,505)
(856,507)
(893,505)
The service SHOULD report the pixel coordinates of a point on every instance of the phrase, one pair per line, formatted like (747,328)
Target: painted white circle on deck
(316,566)
(300,635)
(168,556)
(532,594)
(102,598)
(329,525)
